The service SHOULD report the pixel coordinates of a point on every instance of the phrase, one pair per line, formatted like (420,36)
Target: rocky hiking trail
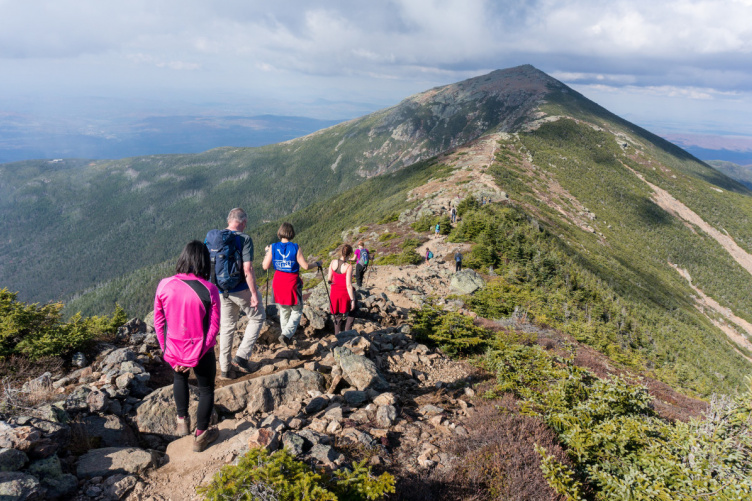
(105,431)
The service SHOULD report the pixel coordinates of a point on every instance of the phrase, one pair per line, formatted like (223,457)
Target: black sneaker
(284,340)
(242,364)
(228,375)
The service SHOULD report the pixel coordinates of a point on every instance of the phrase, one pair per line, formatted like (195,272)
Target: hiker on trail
(457,261)
(287,259)
(186,319)
(361,257)
(231,252)
(453,213)
(429,255)
(343,296)
(438,229)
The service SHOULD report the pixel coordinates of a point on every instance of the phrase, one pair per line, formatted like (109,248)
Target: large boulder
(108,431)
(113,460)
(466,282)
(269,392)
(157,413)
(16,485)
(50,473)
(359,371)
(12,459)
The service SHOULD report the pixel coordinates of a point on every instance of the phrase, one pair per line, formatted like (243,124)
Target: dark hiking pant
(348,317)
(360,270)
(457,266)
(205,372)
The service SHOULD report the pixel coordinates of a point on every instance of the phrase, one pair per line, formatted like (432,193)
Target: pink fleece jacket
(179,317)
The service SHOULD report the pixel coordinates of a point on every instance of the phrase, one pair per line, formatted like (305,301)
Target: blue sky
(679,66)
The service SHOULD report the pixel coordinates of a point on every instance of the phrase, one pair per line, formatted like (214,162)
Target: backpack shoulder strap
(205,296)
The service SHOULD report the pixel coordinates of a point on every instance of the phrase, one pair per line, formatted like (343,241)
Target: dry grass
(498,460)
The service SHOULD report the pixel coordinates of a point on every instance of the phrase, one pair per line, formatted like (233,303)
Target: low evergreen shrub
(36,331)
(261,476)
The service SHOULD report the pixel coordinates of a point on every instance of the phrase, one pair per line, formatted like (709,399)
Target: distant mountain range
(660,241)
(741,173)
(26,137)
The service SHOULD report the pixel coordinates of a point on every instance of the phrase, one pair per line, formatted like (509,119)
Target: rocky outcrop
(359,370)
(466,282)
(269,392)
(113,460)
(156,413)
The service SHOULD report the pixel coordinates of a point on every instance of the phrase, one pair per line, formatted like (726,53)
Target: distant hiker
(362,257)
(429,255)
(287,259)
(186,319)
(343,297)
(453,213)
(232,257)
(457,261)
(437,230)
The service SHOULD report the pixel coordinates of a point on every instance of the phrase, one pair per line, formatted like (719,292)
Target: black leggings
(205,372)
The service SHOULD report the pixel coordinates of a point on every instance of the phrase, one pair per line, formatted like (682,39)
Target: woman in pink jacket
(186,318)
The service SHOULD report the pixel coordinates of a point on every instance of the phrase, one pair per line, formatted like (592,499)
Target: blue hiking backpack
(363,257)
(226,258)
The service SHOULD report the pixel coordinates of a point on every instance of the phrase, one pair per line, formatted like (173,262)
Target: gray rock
(133,367)
(119,356)
(313,438)
(316,404)
(293,443)
(315,316)
(98,401)
(113,460)
(466,281)
(156,413)
(357,437)
(149,320)
(269,392)
(50,473)
(359,371)
(355,398)
(15,485)
(430,410)
(386,416)
(52,412)
(40,384)
(76,401)
(325,454)
(117,486)
(109,431)
(12,459)
(79,360)
(273,423)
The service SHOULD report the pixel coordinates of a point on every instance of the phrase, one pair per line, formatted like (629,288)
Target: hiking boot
(184,426)
(202,441)
(228,375)
(284,340)
(242,364)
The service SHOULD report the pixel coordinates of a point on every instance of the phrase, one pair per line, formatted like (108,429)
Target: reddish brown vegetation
(496,462)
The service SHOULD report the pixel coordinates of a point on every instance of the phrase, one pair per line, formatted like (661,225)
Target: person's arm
(159,318)
(329,273)
(214,315)
(267,263)
(250,279)
(348,281)
(303,263)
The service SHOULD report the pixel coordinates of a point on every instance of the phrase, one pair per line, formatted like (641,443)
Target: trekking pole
(370,269)
(325,287)
(266,297)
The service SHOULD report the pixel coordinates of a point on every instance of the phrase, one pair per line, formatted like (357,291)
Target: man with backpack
(361,257)
(231,253)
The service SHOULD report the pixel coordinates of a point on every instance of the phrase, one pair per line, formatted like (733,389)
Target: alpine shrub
(280,477)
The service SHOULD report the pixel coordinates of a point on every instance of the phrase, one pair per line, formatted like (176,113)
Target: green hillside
(70,225)
(740,173)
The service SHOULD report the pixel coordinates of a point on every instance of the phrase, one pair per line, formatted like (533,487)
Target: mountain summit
(94,221)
